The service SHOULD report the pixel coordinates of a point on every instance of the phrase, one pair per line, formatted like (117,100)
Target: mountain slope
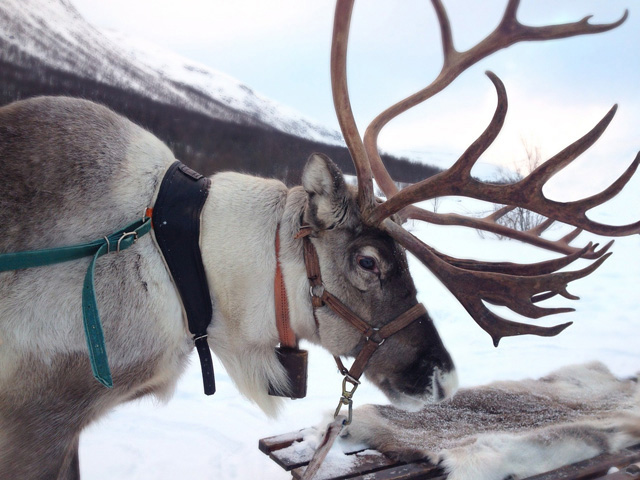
(211,121)
(56,34)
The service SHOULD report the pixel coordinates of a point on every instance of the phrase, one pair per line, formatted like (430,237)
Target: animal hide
(517,428)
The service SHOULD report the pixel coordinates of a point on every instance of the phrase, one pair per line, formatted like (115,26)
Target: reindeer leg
(43,409)
(33,448)
(71,465)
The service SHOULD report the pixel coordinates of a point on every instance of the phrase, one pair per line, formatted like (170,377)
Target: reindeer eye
(368,263)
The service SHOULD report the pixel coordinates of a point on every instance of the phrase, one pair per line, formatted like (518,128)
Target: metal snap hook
(345,401)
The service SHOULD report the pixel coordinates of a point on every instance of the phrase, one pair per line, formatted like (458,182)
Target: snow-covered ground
(200,437)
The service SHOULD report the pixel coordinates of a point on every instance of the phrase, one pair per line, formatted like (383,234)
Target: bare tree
(519,218)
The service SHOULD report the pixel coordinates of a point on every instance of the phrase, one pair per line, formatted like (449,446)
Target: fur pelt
(517,428)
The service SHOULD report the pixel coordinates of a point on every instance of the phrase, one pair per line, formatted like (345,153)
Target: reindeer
(74,172)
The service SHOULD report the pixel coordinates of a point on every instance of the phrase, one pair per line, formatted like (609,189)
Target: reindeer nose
(445,384)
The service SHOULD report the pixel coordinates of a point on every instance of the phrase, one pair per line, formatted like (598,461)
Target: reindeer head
(369,269)
(361,240)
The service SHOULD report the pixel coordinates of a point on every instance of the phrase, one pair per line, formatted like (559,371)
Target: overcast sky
(557,90)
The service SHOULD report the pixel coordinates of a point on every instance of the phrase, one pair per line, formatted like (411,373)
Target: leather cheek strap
(374,337)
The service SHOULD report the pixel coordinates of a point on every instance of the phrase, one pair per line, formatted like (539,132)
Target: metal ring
(352,381)
(312,292)
(369,339)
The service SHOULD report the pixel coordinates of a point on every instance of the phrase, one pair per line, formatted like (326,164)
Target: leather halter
(374,337)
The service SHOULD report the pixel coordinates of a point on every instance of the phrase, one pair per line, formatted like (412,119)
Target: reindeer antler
(516,286)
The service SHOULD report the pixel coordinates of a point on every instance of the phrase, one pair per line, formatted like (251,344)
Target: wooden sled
(370,465)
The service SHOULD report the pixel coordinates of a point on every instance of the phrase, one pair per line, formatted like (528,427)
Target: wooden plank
(630,472)
(591,468)
(294,456)
(410,471)
(270,444)
(286,451)
(360,463)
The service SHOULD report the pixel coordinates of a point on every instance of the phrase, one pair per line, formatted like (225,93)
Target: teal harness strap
(120,240)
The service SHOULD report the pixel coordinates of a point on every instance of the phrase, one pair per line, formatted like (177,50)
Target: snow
(200,437)
(174,68)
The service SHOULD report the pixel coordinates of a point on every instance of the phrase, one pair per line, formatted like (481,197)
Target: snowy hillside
(55,33)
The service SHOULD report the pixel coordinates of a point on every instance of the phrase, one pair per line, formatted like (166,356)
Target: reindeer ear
(330,202)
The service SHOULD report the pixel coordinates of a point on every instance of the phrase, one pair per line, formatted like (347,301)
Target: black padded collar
(176,225)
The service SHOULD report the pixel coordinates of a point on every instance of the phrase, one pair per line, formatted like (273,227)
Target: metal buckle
(125,235)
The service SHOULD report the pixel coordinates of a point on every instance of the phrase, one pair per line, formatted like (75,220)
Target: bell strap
(283,320)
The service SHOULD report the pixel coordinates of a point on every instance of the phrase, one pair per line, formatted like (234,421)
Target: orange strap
(287,337)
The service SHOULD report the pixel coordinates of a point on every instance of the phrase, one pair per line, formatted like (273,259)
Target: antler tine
(526,193)
(548,169)
(519,269)
(501,212)
(507,33)
(457,178)
(472,287)
(488,224)
(611,191)
(543,226)
(342,104)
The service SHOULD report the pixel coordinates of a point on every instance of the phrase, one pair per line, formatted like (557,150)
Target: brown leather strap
(312,265)
(347,314)
(341,368)
(374,341)
(402,321)
(287,337)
